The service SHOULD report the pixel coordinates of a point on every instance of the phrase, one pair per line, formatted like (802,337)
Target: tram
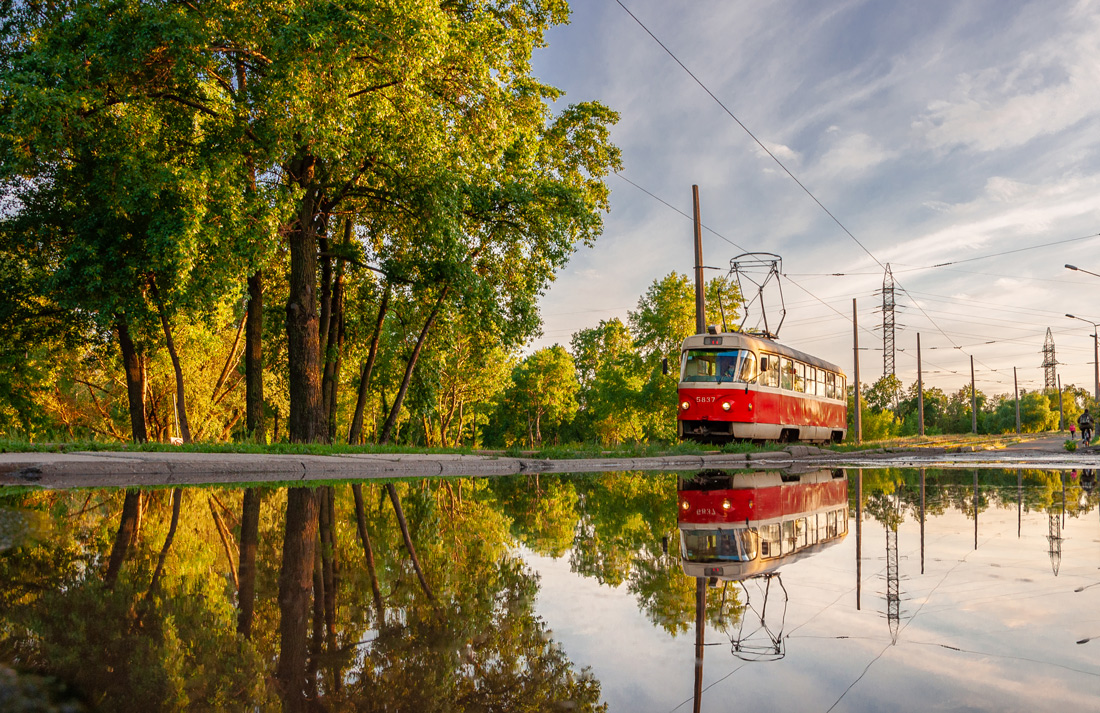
(740,386)
(734,527)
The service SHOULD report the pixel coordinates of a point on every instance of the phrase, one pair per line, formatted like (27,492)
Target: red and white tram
(733,527)
(735,385)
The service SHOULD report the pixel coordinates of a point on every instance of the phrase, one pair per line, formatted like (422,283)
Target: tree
(543,395)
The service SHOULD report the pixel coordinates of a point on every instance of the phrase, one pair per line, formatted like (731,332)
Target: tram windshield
(708,365)
(734,544)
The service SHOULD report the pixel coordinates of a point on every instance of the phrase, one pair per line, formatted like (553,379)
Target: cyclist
(1085,422)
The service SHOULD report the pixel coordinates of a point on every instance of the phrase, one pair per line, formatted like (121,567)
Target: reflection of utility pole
(975,508)
(700,632)
(1019,502)
(859,538)
(922,520)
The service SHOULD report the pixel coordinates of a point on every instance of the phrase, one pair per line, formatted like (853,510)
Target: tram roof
(741,340)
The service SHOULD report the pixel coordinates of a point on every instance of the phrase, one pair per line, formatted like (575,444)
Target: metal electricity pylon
(889,306)
(1050,379)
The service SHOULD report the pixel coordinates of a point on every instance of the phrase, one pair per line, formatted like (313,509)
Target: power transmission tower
(889,305)
(1050,379)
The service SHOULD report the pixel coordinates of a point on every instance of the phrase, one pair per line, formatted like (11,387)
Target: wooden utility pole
(1016,389)
(973,399)
(920,390)
(700,307)
(855,357)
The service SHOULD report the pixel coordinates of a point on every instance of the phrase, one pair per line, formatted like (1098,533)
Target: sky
(921,134)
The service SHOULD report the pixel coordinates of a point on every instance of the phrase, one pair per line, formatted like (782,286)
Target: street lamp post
(1080,269)
(1095,349)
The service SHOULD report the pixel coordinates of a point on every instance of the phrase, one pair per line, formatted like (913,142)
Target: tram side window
(770,376)
(811,380)
(799,376)
(787,375)
(842,521)
(821,391)
(831,524)
(841,392)
(830,384)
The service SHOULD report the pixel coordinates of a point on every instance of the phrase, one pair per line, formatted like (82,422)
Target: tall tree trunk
(355,434)
(181,398)
(307,410)
(325,305)
(250,538)
(387,429)
(135,381)
(408,539)
(334,344)
(254,325)
(253,358)
(295,590)
(368,553)
(127,531)
(177,501)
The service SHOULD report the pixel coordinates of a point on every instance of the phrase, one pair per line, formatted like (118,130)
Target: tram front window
(735,544)
(714,366)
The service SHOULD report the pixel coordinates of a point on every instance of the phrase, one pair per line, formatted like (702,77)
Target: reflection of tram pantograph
(742,527)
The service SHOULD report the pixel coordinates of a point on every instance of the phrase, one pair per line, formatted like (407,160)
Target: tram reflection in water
(742,525)
(741,528)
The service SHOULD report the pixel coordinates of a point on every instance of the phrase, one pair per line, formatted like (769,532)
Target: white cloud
(1043,90)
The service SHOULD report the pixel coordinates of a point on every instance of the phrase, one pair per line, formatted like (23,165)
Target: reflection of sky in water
(989,629)
(985,629)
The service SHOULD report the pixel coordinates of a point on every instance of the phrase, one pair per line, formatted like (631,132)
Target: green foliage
(542,397)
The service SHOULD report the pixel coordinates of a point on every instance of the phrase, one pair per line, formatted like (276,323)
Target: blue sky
(934,132)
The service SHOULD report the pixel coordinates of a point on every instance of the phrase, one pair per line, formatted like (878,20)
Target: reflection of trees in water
(317,632)
(623,520)
(954,490)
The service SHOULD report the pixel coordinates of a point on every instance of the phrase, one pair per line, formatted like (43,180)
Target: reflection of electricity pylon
(1054,537)
(893,579)
(893,585)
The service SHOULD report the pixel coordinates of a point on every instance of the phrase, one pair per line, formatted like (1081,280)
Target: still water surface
(823,591)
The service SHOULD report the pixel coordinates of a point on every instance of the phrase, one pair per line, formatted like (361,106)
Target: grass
(589,450)
(950,440)
(10,445)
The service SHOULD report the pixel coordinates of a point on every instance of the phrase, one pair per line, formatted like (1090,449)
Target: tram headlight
(725,504)
(685,405)
(684,505)
(725,405)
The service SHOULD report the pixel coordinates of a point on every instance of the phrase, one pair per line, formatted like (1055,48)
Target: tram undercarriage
(719,432)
